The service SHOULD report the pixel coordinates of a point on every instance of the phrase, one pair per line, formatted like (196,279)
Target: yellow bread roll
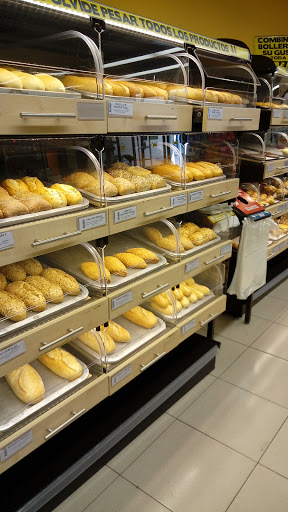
(193,298)
(12,307)
(73,196)
(86,83)
(134,89)
(66,282)
(14,186)
(93,339)
(26,383)
(160,93)
(199,238)
(62,363)
(141,316)
(31,266)
(152,234)
(185,289)
(131,260)
(172,173)
(189,281)
(91,270)
(177,90)
(147,90)
(178,294)
(9,79)
(123,186)
(115,266)
(13,272)
(33,299)
(161,299)
(54,197)
(3,282)
(178,306)
(211,235)
(148,256)
(169,243)
(197,292)
(29,81)
(51,291)
(168,310)
(117,332)
(204,289)
(33,184)
(186,242)
(118,89)
(185,302)
(81,180)
(51,83)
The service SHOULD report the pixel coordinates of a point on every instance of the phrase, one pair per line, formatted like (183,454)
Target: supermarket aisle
(224,445)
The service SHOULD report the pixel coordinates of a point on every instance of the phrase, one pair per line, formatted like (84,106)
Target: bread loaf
(50,83)
(9,79)
(86,83)
(33,202)
(73,196)
(118,88)
(141,316)
(51,291)
(31,266)
(10,207)
(148,256)
(11,307)
(3,282)
(62,363)
(134,89)
(91,270)
(123,186)
(131,260)
(29,81)
(66,282)
(27,384)
(33,184)
(32,297)
(96,340)
(117,332)
(115,266)
(55,198)
(13,272)
(14,186)
(152,234)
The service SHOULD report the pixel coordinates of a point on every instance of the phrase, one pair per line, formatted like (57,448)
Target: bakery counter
(28,114)
(211,193)
(276,247)
(148,117)
(31,239)
(225,119)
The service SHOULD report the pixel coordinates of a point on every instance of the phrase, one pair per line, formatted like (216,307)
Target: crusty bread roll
(178,294)
(170,172)
(115,266)
(9,79)
(152,234)
(87,182)
(190,228)
(3,282)
(169,243)
(134,89)
(148,256)
(117,332)
(168,310)
(93,339)
(86,83)
(68,284)
(51,291)
(13,272)
(33,202)
(186,242)
(211,235)
(91,270)
(10,207)
(31,266)
(155,181)
(185,302)
(73,196)
(33,184)
(141,316)
(27,384)
(32,297)
(131,260)
(11,307)
(161,299)
(62,363)
(118,89)
(29,81)
(55,198)
(123,186)
(147,90)
(14,186)
(50,83)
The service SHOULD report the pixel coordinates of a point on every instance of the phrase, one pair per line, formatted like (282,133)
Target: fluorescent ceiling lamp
(56,8)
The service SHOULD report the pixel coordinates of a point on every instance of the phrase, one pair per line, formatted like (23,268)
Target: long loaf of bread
(141,316)
(62,363)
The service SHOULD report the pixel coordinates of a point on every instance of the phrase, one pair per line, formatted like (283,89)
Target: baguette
(66,282)
(13,272)
(117,332)
(9,79)
(27,384)
(118,88)
(148,256)
(131,260)
(141,316)
(134,89)
(12,307)
(93,339)
(51,291)
(29,81)
(31,266)
(32,297)
(10,207)
(33,202)
(86,83)
(91,270)
(62,363)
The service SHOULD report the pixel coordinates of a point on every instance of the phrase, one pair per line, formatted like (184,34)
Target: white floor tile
(229,351)
(276,456)
(122,496)
(186,470)
(124,458)
(80,499)
(281,291)
(264,491)
(184,402)
(283,319)
(269,308)
(274,341)
(235,329)
(262,374)
(235,417)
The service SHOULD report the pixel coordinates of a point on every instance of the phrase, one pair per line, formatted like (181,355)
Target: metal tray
(13,411)
(192,308)
(70,259)
(137,235)
(198,183)
(139,338)
(275,238)
(55,212)
(7,327)
(31,92)
(97,200)
(110,97)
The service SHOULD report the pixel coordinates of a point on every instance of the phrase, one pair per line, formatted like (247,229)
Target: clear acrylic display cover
(272,190)
(263,146)
(272,92)
(252,190)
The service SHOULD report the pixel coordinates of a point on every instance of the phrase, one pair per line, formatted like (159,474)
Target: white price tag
(286,206)
(121,300)
(121,375)
(187,327)
(6,240)
(120,109)
(13,351)
(191,265)
(270,167)
(215,113)
(282,245)
(125,214)
(226,249)
(276,113)
(285,114)
(281,208)
(92,221)
(195,196)
(16,446)
(275,249)
(178,200)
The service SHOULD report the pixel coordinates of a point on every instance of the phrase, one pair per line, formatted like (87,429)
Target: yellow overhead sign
(275,47)
(145,25)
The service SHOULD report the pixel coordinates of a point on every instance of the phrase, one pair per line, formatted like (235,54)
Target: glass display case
(273,95)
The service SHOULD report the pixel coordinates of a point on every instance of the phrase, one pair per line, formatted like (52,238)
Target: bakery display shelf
(227,119)
(93,199)
(192,308)
(202,317)
(277,247)
(13,411)
(278,208)
(8,327)
(71,259)
(192,184)
(49,94)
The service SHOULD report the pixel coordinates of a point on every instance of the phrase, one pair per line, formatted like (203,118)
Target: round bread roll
(73,196)
(50,83)
(31,266)
(9,79)
(30,81)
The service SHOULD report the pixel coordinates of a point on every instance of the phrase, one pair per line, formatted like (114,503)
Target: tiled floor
(221,447)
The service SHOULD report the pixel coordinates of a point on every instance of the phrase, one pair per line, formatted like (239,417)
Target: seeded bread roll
(51,83)
(32,297)
(148,256)
(51,291)
(31,266)
(27,384)
(91,270)
(152,234)
(13,272)
(73,196)
(156,181)
(62,363)
(115,266)
(93,339)
(131,260)
(117,332)
(123,186)
(141,316)
(11,307)
(199,239)
(3,282)
(66,282)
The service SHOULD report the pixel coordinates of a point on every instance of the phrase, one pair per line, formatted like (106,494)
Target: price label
(226,249)
(281,208)
(6,240)
(285,114)
(120,109)
(121,300)
(270,167)
(187,327)
(215,113)
(16,446)
(92,221)
(121,375)
(275,249)
(13,351)
(191,265)
(282,246)
(286,206)
(90,111)
(195,196)
(125,214)
(178,200)
(276,113)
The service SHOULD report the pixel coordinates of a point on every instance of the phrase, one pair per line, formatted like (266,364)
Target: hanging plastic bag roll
(251,266)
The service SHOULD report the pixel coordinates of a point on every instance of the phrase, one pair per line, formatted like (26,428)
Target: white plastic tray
(193,307)
(139,337)
(7,327)
(13,410)
(70,259)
